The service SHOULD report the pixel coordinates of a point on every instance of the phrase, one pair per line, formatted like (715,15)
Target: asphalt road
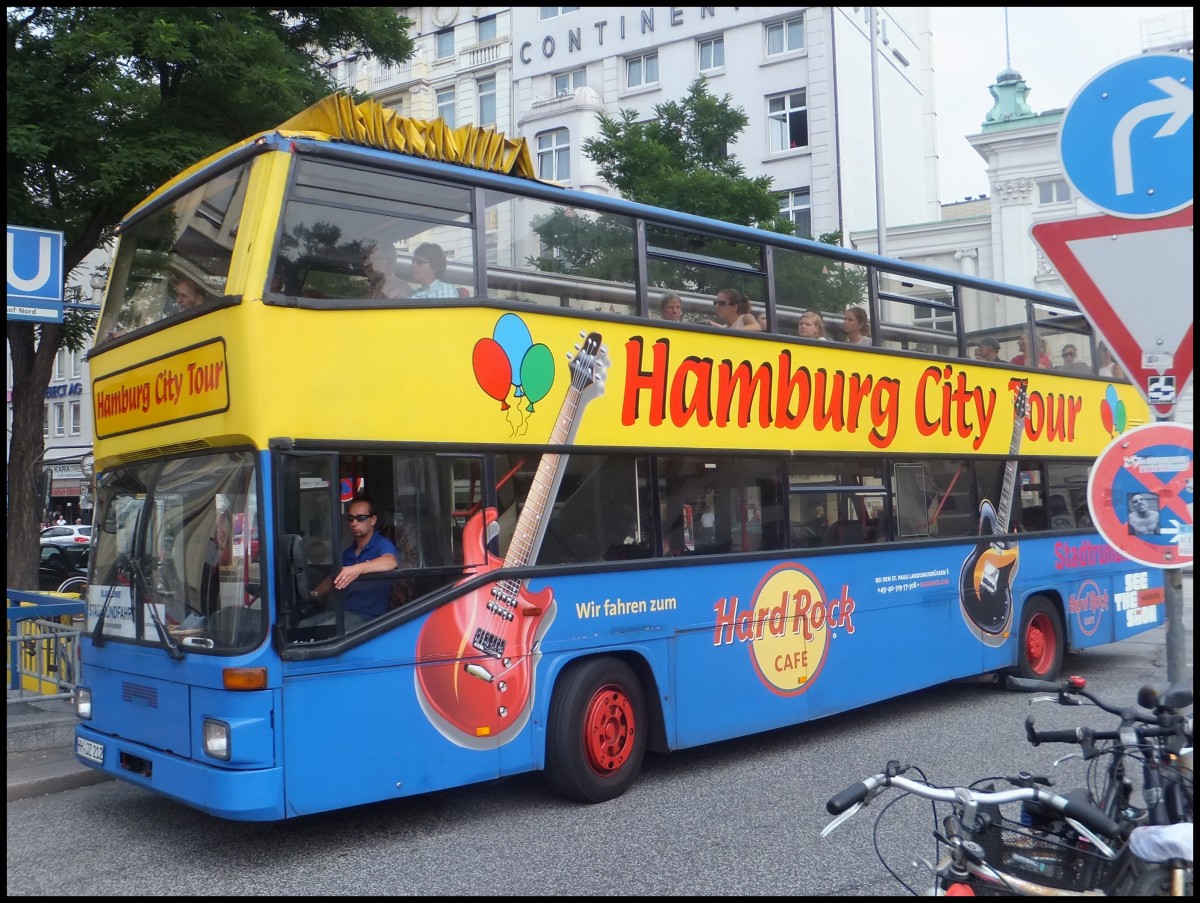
(736,818)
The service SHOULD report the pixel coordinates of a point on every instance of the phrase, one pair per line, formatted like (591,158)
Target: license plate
(90,750)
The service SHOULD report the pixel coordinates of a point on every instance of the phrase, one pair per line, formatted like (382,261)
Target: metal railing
(43,644)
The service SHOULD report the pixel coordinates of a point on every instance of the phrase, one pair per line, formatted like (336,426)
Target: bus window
(731,505)
(602,510)
(808,282)
(191,238)
(343,226)
(829,506)
(559,256)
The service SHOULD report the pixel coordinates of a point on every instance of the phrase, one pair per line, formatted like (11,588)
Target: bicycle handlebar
(1084,813)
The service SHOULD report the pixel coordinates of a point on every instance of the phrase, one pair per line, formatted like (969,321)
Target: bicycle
(1161,741)
(987,853)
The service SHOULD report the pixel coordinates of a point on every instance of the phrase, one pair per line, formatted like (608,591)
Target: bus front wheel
(596,736)
(1040,642)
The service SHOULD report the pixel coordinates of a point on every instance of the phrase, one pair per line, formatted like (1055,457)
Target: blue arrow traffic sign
(1127,138)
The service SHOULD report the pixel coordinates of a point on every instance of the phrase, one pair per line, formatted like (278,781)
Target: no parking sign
(1140,494)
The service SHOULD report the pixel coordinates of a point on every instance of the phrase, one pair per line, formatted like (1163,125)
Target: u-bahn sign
(1140,494)
(35,275)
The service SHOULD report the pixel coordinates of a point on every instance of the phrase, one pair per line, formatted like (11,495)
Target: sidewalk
(41,757)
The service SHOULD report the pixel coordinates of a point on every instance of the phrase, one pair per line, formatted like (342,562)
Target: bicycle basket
(1062,859)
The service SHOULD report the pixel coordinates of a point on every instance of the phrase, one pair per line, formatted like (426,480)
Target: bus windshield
(178,548)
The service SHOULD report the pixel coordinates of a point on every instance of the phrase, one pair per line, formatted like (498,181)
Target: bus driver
(369,553)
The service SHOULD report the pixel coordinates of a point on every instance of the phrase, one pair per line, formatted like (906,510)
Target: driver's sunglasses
(359,517)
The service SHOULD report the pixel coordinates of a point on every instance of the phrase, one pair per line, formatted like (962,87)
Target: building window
(554,155)
(787,118)
(60,419)
(1053,191)
(785,36)
(567,82)
(445,105)
(76,419)
(487,101)
(60,364)
(76,364)
(45,420)
(712,54)
(641,70)
(486,29)
(796,205)
(549,12)
(444,47)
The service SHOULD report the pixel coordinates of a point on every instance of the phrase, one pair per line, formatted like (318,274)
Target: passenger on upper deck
(988,349)
(733,311)
(189,295)
(1071,362)
(811,325)
(671,307)
(857,326)
(429,266)
(1043,359)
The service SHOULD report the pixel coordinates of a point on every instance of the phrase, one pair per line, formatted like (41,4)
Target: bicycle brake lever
(832,826)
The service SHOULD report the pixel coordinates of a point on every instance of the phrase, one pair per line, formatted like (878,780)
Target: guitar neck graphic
(478,652)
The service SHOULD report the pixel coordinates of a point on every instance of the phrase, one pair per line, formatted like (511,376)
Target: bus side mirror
(297,561)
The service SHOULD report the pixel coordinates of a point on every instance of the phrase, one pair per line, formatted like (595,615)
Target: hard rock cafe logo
(1088,605)
(786,626)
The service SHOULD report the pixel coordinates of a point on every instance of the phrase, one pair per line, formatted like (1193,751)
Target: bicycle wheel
(1155,881)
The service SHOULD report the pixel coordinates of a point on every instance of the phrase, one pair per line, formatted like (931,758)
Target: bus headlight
(216,739)
(83,703)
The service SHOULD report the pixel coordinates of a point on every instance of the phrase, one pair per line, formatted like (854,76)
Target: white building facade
(802,75)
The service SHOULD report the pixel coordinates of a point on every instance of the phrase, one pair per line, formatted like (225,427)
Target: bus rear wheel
(1040,641)
(596,735)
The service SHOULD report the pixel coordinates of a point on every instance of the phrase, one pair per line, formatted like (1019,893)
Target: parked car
(63,567)
(68,533)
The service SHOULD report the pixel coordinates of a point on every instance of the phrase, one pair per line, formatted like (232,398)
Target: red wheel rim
(608,729)
(1039,643)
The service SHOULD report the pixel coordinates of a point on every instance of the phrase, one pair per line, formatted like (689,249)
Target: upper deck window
(180,251)
(353,233)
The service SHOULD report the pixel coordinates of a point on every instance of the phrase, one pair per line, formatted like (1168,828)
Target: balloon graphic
(1106,416)
(1110,395)
(492,370)
(1119,417)
(537,373)
(513,336)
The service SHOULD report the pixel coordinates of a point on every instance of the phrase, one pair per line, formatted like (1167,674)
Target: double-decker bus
(612,533)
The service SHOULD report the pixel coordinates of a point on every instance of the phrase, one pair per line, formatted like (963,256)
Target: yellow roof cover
(338,118)
(374,125)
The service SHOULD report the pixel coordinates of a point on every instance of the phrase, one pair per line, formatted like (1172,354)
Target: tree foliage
(681,160)
(107,103)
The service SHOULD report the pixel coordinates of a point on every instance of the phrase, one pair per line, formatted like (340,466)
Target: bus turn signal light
(245,678)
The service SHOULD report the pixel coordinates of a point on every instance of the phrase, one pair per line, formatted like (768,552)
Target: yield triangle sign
(1133,281)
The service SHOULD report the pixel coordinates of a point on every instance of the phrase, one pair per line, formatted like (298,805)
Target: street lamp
(97,281)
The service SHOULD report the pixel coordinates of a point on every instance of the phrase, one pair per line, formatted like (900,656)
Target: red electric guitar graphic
(476,655)
(986,580)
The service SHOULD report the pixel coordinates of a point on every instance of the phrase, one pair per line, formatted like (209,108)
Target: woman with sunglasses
(732,309)
(369,553)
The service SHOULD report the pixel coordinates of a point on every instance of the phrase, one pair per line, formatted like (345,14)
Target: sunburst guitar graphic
(985,583)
